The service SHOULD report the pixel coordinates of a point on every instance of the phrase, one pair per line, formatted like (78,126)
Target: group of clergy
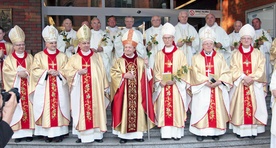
(144,92)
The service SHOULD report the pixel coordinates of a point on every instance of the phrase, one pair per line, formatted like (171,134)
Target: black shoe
(48,140)
(252,137)
(78,141)
(58,139)
(164,139)
(123,141)
(176,139)
(199,138)
(139,140)
(99,140)
(216,138)
(17,140)
(238,136)
(29,139)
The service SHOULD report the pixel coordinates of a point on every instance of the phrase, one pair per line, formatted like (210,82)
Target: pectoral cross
(209,66)
(169,63)
(86,65)
(53,65)
(247,62)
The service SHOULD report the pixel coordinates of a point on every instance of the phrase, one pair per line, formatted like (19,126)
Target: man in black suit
(6,114)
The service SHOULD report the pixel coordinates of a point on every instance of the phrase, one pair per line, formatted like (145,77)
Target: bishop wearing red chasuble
(170,97)
(248,106)
(129,80)
(49,90)
(211,80)
(87,80)
(16,73)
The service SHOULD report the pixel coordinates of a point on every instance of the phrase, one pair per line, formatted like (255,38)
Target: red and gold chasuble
(25,121)
(87,90)
(53,89)
(168,90)
(209,69)
(247,69)
(132,93)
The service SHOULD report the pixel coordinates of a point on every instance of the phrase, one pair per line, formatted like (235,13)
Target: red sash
(168,90)
(247,69)
(53,89)
(87,90)
(210,69)
(25,120)
(3,47)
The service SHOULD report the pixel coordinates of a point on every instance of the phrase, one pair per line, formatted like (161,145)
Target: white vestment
(151,32)
(221,37)
(112,32)
(119,49)
(62,44)
(184,31)
(273,107)
(106,54)
(265,49)
(234,38)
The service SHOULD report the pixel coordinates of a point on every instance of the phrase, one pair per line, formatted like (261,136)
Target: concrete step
(227,140)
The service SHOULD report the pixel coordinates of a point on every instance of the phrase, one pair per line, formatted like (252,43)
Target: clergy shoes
(48,140)
(58,139)
(78,141)
(164,139)
(29,139)
(99,140)
(252,137)
(176,139)
(238,136)
(123,141)
(216,138)
(17,140)
(199,138)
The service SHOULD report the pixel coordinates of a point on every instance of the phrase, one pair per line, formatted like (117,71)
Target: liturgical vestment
(170,102)
(23,121)
(87,95)
(129,104)
(273,108)
(50,94)
(247,104)
(209,106)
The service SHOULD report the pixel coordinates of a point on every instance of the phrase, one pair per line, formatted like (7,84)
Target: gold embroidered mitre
(84,33)
(17,35)
(130,37)
(247,30)
(50,34)
(207,34)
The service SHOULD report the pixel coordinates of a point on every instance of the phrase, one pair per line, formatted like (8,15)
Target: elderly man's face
(67,24)
(210,20)
(246,41)
(19,47)
(96,24)
(51,45)
(168,40)
(208,46)
(129,49)
(84,46)
(155,21)
(129,22)
(183,18)
(237,26)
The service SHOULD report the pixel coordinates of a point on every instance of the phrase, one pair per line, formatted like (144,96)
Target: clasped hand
(53,72)
(82,71)
(129,75)
(248,80)
(213,85)
(168,83)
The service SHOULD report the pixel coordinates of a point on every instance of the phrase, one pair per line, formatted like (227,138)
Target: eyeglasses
(246,38)
(167,38)
(19,45)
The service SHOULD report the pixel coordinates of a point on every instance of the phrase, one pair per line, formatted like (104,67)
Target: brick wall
(27,15)
(235,10)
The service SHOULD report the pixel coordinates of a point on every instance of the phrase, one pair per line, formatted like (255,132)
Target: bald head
(67,24)
(183,17)
(237,26)
(210,19)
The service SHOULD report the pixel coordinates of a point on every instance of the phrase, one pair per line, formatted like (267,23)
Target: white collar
(245,50)
(130,56)
(51,52)
(20,55)
(169,49)
(86,53)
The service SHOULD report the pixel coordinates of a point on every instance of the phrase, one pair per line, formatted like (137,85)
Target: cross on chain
(53,65)
(247,62)
(209,66)
(86,65)
(169,63)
